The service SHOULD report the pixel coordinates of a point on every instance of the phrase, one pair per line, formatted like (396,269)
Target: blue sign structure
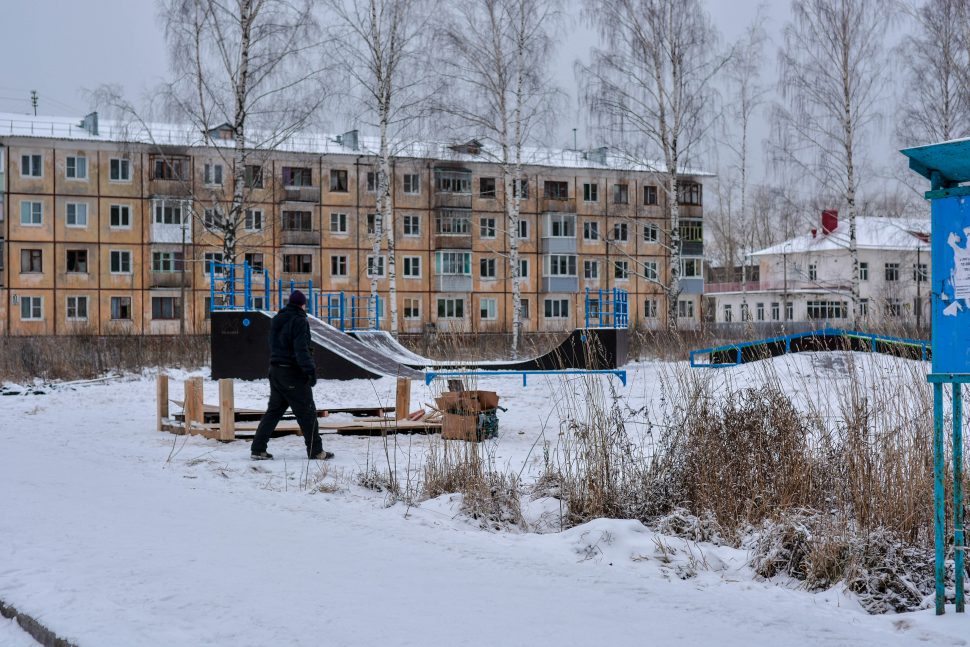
(946,166)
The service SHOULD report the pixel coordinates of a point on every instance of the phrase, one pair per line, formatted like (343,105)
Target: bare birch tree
(833,73)
(648,87)
(381,44)
(935,104)
(494,58)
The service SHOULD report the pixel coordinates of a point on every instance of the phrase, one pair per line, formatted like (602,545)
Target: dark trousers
(289,388)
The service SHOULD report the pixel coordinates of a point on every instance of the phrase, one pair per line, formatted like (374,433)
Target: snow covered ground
(115,534)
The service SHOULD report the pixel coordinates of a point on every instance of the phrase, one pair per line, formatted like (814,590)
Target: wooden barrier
(227,411)
(161,396)
(193,405)
(402,403)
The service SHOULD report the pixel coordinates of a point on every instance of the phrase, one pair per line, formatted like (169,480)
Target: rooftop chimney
(90,123)
(830,221)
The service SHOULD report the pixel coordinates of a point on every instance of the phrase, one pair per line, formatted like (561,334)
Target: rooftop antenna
(33,100)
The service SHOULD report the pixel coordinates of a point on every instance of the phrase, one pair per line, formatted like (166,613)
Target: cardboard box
(455,427)
(461,409)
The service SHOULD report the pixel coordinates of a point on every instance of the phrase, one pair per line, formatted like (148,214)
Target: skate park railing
(242,287)
(607,308)
(429,376)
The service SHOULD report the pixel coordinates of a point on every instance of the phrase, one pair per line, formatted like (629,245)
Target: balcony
(301,194)
(692,286)
(169,279)
(452,241)
(557,205)
(558,245)
(453,283)
(692,248)
(560,284)
(300,237)
(452,200)
(777,285)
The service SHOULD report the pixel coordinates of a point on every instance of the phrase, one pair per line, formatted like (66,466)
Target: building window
(338,266)
(555,190)
(338,180)
(412,225)
(560,265)
(253,176)
(487,228)
(412,183)
(167,262)
(453,222)
(488,308)
(77,261)
(863,271)
(621,194)
(760,311)
(168,213)
(254,260)
(556,308)
(812,272)
(650,309)
(119,170)
(297,263)
(375,266)
(31,261)
(524,268)
(412,267)
(789,311)
(486,187)
(691,268)
(690,193)
(211,218)
(520,188)
(728,313)
(621,270)
(297,221)
(451,308)
(77,308)
(166,308)
(650,270)
(31,308)
(453,263)
(864,308)
(210,258)
(745,312)
(561,225)
(297,176)
(826,309)
(31,213)
(371,181)
(894,308)
(254,220)
(649,195)
(76,168)
(170,168)
(591,269)
(338,223)
(691,231)
(120,261)
(212,174)
(620,232)
(486,268)
(921,273)
(685,309)
(892,271)
(452,181)
(523,229)
(591,230)
(119,216)
(31,166)
(590,192)
(775,311)
(412,308)
(77,214)
(121,308)
(374,224)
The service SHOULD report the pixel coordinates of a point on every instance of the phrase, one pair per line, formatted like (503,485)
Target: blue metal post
(958,538)
(341,307)
(247,286)
(212,285)
(938,503)
(310,303)
(267,292)
(600,308)
(279,294)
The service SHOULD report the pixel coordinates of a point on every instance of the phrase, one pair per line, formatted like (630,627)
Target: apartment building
(107,229)
(806,282)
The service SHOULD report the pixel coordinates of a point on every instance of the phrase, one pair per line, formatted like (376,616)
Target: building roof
(891,234)
(168,134)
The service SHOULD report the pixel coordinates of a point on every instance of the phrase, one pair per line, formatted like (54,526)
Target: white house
(806,281)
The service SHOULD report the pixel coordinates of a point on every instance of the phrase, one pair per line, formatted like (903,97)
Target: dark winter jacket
(289,340)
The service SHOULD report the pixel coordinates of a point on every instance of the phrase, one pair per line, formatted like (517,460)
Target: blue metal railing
(607,308)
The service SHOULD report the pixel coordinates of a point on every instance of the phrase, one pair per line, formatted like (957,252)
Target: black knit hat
(297,298)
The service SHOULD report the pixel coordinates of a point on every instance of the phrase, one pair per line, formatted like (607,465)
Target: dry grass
(87,356)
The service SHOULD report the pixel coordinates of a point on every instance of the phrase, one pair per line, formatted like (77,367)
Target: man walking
(292,375)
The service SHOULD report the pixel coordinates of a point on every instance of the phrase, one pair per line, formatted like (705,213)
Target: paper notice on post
(961,276)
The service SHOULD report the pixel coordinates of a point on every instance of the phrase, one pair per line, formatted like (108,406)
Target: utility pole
(33,100)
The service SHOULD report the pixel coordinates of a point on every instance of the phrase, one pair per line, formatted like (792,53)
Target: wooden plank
(402,403)
(193,404)
(227,415)
(210,412)
(161,399)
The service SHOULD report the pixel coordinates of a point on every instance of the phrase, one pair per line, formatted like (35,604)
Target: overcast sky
(59,48)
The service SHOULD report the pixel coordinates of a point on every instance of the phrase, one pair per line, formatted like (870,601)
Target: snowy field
(115,534)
